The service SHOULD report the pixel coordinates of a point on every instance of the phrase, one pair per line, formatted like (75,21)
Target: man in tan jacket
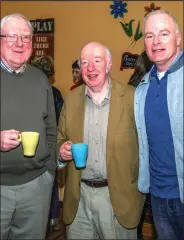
(101,201)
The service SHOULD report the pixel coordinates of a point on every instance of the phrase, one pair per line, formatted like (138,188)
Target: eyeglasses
(14,38)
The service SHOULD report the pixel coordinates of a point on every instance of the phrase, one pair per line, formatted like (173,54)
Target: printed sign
(128,60)
(43,45)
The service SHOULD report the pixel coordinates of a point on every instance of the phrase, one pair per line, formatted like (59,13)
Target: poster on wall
(128,60)
(43,45)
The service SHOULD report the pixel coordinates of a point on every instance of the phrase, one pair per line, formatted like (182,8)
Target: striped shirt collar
(6,67)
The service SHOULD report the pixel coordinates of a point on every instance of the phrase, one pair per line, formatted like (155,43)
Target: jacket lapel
(77,127)
(79,118)
(115,112)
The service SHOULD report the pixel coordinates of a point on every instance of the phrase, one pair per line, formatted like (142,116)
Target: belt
(95,183)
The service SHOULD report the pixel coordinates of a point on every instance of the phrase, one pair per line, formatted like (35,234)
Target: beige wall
(77,23)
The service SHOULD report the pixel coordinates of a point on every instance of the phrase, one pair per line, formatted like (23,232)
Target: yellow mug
(29,142)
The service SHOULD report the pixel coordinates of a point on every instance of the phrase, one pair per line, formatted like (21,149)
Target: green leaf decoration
(128,29)
(138,33)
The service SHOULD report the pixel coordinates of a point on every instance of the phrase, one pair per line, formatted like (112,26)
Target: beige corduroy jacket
(122,154)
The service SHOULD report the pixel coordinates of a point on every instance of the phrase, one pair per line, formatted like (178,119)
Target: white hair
(163,12)
(15,16)
(108,52)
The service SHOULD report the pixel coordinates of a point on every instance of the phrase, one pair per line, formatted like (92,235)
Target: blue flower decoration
(118,8)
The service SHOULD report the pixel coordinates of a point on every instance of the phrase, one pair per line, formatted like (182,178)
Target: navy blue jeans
(168,216)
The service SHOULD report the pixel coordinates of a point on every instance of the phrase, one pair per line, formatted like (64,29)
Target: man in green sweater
(26,105)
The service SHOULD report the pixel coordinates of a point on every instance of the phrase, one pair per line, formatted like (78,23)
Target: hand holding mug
(9,139)
(65,151)
(78,152)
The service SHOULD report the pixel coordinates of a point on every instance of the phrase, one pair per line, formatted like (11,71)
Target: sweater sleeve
(51,127)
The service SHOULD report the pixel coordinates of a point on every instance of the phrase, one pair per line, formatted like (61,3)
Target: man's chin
(94,86)
(17,65)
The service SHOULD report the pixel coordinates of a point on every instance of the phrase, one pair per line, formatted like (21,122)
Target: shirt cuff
(60,163)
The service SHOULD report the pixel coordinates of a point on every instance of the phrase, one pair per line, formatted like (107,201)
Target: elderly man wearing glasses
(26,105)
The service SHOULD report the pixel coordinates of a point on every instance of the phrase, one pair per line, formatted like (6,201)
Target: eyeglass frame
(15,35)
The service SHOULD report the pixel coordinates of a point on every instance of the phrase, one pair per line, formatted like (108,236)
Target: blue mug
(80,154)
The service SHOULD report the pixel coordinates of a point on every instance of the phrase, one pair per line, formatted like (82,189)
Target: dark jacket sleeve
(58,102)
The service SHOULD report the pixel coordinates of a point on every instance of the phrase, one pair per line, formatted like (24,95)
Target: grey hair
(15,16)
(107,51)
(163,12)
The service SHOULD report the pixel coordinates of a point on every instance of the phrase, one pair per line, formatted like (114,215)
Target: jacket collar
(176,64)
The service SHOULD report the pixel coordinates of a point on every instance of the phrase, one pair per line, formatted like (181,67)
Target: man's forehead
(93,51)
(159,20)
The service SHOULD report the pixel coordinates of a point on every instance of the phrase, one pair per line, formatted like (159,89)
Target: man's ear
(178,39)
(109,65)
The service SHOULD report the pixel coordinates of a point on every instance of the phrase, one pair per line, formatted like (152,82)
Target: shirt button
(96,160)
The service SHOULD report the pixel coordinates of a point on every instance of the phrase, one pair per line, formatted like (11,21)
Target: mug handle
(19,137)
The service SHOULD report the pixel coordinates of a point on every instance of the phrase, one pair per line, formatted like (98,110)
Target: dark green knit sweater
(27,105)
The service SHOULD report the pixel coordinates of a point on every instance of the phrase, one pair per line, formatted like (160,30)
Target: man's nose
(90,66)
(156,40)
(19,41)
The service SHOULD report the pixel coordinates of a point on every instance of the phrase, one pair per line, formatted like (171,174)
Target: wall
(77,23)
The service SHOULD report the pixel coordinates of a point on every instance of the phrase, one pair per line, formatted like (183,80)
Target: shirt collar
(9,69)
